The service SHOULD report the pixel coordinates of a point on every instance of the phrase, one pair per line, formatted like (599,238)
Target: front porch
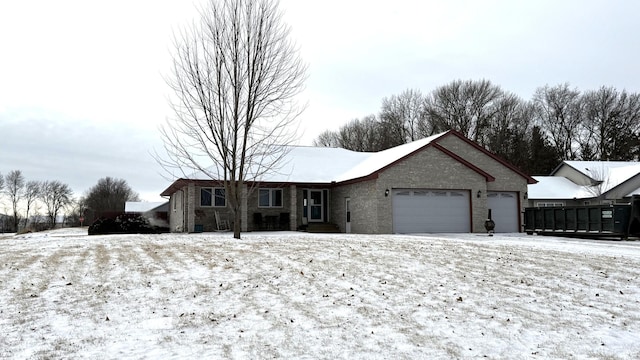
(266,207)
(300,209)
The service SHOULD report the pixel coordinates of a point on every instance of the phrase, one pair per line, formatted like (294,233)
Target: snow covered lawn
(293,295)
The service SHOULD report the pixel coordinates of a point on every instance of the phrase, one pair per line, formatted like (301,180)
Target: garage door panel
(420,211)
(504,210)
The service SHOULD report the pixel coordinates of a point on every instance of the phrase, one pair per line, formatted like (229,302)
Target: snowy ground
(292,295)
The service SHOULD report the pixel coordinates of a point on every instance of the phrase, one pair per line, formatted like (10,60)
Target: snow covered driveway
(294,295)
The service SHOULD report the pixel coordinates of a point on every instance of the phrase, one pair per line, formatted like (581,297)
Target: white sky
(82,93)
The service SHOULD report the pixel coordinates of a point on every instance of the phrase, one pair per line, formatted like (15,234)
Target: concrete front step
(323,228)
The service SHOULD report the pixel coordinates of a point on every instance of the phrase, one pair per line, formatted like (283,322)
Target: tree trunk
(237,217)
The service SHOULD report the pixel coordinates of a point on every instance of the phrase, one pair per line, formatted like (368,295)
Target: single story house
(576,183)
(442,183)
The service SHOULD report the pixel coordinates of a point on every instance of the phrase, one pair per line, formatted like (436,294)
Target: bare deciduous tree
(600,181)
(31,194)
(14,190)
(360,134)
(407,112)
(508,133)
(55,195)
(76,211)
(327,138)
(107,195)
(236,77)
(612,122)
(559,113)
(366,134)
(465,106)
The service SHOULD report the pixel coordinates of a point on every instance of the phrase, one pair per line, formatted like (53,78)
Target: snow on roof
(309,164)
(591,168)
(378,160)
(619,175)
(556,187)
(142,206)
(611,173)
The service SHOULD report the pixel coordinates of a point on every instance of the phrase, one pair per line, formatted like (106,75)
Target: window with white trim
(270,198)
(213,197)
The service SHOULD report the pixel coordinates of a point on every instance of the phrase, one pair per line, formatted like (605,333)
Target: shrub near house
(124,224)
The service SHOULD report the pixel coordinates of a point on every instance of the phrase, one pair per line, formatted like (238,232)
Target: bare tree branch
(236,77)
(559,112)
(14,190)
(55,195)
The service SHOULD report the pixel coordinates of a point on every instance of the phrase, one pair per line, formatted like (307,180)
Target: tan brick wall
(506,179)
(429,169)
(205,215)
(253,202)
(190,204)
(364,208)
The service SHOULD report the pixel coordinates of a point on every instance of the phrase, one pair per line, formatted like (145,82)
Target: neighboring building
(156,212)
(575,183)
(443,183)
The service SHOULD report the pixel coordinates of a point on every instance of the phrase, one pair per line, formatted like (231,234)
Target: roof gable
(587,172)
(608,175)
(589,179)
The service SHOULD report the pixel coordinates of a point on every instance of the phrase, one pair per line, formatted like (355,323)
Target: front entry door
(316,206)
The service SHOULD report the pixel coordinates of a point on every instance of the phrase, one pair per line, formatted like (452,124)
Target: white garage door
(430,211)
(504,210)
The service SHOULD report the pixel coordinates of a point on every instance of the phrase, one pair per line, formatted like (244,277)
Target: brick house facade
(441,183)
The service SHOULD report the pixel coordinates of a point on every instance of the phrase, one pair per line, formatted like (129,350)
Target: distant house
(156,212)
(443,183)
(586,183)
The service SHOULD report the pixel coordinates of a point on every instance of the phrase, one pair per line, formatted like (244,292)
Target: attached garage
(431,211)
(504,210)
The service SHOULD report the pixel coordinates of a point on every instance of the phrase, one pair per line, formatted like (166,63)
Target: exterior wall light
(386,193)
(479,194)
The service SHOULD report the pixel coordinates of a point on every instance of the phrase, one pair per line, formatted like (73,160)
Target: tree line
(26,198)
(558,123)
(36,205)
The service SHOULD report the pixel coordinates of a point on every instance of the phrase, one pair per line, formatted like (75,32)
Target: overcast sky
(82,90)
